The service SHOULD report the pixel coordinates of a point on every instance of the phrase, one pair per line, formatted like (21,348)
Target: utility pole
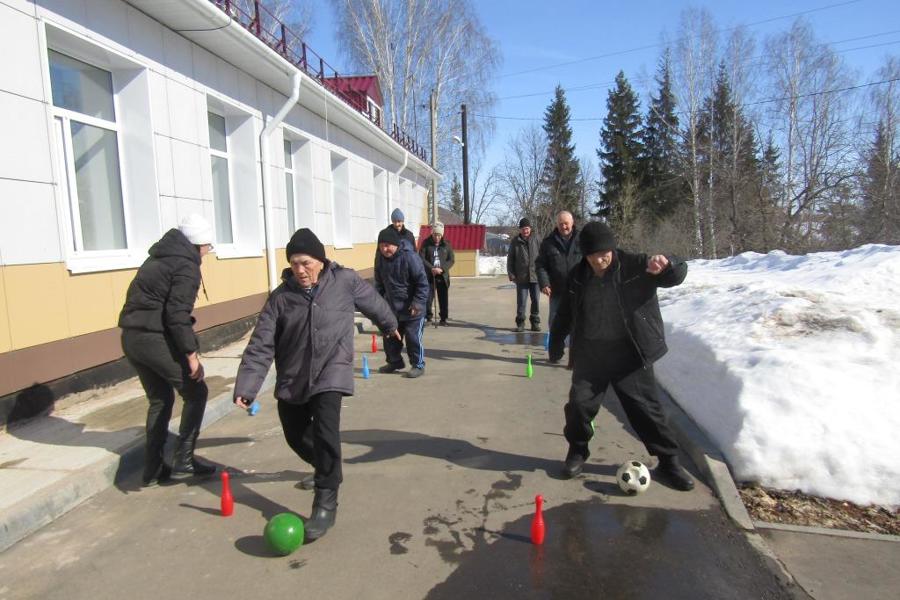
(465,153)
(434,202)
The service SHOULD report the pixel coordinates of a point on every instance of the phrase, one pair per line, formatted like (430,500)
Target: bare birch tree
(296,14)
(521,176)
(693,60)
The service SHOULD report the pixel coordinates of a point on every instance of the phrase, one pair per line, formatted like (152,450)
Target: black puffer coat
(161,297)
(445,253)
(555,261)
(520,261)
(636,291)
(310,338)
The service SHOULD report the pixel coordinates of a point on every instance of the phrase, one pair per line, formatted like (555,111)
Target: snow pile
(789,363)
(491,265)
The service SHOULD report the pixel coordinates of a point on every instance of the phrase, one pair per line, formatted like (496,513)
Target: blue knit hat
(397,215)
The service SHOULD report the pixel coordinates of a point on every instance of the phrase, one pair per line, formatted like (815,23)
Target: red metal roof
(365,84)
(461,237)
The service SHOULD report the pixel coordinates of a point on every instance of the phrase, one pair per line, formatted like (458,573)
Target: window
(289,187)
(218,156)
(341,208)
(85,124)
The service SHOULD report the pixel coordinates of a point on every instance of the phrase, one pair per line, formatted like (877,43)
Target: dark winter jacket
(636,293)
(402,281)
(161,297)
(445,254)
(520,261)
(310,337)
(554,261)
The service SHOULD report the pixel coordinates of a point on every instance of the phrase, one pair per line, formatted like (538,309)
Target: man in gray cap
(612,312)
(398,224)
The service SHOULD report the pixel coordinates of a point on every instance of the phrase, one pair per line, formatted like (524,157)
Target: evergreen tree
(663,185)
(456,200)
(561,176)
(620,152)
(881,191)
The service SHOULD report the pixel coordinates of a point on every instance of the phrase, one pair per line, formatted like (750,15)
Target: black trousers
(313,431)
(162,369)
(438,283)
(636,387)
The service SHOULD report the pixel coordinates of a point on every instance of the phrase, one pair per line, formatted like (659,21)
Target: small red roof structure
(356,89)
(461,237)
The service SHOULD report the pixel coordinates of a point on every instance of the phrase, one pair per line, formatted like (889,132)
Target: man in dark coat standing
(306,326)
(613,315)
(520,267)
(400,278)
(158,340)
(559,253)
(437,254)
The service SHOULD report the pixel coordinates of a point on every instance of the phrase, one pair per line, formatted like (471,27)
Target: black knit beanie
(305,241)
(523,222)
(597,237)
(389,235)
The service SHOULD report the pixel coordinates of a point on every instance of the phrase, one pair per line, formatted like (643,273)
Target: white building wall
(172,83)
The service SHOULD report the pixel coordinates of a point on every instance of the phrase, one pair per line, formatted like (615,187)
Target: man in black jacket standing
(559,253)
(617,334)
(158,340)
(520,267)
(437,254)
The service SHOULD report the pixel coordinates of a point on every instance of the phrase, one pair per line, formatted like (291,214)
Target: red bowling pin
(537,522)
(374,344)
(227,498)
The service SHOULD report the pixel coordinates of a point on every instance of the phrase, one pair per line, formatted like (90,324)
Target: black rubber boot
(574,464)
(185,464)
(324,513)
(671,472)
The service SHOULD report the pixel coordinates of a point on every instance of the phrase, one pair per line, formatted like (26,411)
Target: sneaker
(415,372)
(671,472)
(390,367)
(573,465)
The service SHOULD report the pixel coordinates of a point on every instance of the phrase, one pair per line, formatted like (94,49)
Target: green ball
(284,533)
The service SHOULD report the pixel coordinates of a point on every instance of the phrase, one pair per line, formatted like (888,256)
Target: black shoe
(162,474)
(443,323)
(307,482)
(391,367)
(671,472)
(520,328)
(185,464)
(552,361)
(535,326)
(573,466)
(415,372)
(324,513)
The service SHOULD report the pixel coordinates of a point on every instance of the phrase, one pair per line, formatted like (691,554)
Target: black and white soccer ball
(633,477)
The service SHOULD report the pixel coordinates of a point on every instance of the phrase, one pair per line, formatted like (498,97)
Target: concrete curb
(49,504)
(715,471)
(841,533)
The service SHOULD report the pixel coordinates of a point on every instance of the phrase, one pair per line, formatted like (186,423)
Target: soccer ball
(633,477)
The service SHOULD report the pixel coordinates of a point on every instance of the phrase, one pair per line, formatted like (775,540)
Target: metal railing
(259,21)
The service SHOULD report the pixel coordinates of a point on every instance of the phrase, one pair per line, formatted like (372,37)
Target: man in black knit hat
(521,269)
(306,326)
(613,315)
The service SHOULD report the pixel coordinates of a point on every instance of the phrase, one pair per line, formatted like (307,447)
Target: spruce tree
(456,200)
(619,153)
(561,176)
(881,190)
(663,185)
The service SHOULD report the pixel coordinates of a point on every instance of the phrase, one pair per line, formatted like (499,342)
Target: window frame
(226,156)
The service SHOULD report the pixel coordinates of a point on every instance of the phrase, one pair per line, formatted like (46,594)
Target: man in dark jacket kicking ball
(306,326)
(612,311)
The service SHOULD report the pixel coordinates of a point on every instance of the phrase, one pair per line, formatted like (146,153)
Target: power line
(756,103)
(658,44)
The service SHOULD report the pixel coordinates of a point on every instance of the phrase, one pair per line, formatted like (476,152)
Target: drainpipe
(266,177)
(391,206)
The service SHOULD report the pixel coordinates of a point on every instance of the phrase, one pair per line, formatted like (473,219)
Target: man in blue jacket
(400,277)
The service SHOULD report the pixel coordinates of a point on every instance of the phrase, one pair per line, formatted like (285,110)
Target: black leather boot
(185,464)
(324,512)
(573,465)
(670,471)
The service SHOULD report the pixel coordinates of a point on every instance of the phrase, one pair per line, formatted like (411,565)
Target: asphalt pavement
(440,477)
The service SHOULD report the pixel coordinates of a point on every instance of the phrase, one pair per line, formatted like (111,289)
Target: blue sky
(536,36)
